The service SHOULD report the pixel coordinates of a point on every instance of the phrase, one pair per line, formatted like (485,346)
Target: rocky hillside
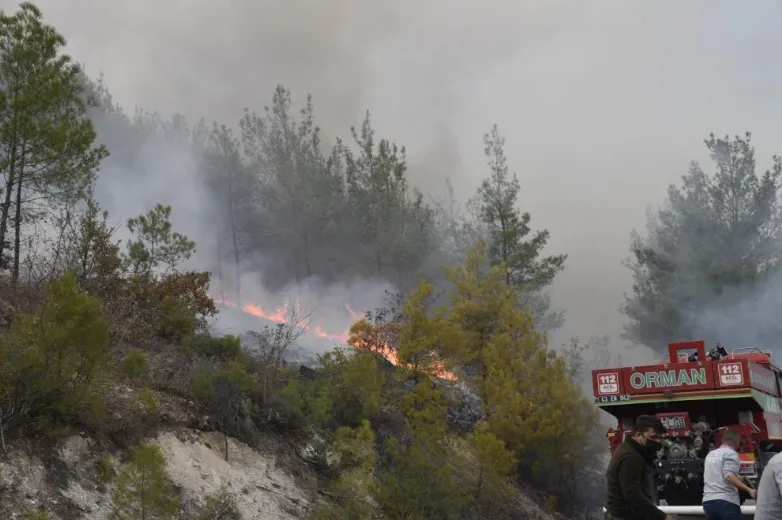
(74,477)
(68,479)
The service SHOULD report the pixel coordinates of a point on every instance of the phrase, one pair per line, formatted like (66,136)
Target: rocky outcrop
(66,481)
(466,408)
(264,490)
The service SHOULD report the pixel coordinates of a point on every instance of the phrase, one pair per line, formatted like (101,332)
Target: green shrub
(36,514)
(56,362)
(346,391)
(226,395)
(220,505)
(134,364)
(219,351)
(106,471)
(147,401)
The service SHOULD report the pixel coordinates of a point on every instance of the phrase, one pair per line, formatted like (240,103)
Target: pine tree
(526,389)
(143,491)
(235,190)
(395,226)
(301,192)
(423,482)
(510,243)
(423,333)
(508,226)
(490,332)
(47,142)
(710,251)
(155,244)
(355,486)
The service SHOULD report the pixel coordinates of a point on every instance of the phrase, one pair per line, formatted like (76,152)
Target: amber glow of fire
(281,315)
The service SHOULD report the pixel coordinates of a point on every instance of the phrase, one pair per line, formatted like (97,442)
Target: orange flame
(280,315)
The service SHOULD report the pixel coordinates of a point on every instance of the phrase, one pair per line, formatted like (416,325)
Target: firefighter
(629,477)
(721,482)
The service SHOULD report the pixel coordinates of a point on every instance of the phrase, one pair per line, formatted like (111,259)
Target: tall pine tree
(46,142)
(235,189)
(510,242)
(395,225)
(709,254)
(300,191)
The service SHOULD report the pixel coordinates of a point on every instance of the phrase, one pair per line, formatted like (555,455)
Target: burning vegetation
(362,335)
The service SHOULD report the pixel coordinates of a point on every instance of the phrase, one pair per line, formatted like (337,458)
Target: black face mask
(652,447)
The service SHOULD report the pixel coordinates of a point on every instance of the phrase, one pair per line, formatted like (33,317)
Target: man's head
(647,432)
(731,438)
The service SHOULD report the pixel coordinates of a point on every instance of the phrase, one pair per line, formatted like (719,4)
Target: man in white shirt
(768,505)
(721,482)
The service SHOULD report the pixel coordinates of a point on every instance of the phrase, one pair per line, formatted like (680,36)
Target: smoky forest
(447,401)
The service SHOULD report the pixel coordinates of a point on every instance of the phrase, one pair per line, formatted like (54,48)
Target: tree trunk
(479,486)
(219,255)
(485,396)
(142,492)
(237,269)
(6,207)
(296,266)
(306,244)
(225,437)
(18,223)
(2,433)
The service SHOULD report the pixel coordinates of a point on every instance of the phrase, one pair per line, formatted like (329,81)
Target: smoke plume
(602,104)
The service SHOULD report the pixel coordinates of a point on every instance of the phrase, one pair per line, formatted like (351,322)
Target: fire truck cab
(697,395)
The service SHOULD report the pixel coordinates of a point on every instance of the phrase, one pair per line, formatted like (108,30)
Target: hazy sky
(603,103)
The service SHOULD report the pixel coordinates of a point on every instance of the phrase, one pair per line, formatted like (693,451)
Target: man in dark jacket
(629,474)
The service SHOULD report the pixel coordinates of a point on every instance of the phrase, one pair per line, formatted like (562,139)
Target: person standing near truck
(768,505)
(629,476)
(721,482)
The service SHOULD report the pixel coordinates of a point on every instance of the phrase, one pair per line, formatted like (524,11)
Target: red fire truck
(697,394)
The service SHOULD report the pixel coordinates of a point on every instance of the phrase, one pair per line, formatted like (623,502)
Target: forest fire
(283,314)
